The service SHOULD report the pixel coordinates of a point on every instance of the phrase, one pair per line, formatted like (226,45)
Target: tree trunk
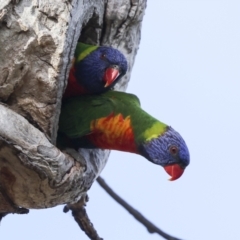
(37,43)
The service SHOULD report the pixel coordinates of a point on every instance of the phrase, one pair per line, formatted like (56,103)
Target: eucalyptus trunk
(37,43)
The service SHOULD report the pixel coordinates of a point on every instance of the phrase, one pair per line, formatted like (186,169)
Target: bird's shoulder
(122,98)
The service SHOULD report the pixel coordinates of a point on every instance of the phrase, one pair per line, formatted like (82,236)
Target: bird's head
(168,150)
(101,69)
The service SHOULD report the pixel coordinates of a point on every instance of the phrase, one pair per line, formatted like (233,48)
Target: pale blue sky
(186,74)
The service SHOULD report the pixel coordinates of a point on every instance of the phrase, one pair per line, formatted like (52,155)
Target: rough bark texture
(37,42)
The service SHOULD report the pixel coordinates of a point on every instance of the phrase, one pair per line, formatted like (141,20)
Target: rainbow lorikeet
(94,70)
(114,120)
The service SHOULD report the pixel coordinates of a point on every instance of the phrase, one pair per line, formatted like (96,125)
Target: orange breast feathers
(113,132)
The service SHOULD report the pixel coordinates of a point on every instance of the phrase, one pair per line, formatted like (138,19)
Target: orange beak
(110,75)
(174,170)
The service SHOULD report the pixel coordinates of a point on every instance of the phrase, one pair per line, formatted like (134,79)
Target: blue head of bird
(101,69)
(168,150)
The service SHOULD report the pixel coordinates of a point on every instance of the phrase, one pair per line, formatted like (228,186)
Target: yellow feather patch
(83,54)
(154,131)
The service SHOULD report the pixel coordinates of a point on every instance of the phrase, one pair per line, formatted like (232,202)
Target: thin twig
(80,215)
(150,226)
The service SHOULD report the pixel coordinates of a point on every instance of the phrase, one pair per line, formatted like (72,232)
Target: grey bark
(37,42)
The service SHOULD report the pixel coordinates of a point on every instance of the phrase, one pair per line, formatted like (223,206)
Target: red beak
(110,75)
(174,170)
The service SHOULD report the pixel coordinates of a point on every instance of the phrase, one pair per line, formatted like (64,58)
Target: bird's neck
(116,132)
(73,88)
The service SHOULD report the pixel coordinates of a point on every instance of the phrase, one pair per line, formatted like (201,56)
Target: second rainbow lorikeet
(114,120)
(95,69)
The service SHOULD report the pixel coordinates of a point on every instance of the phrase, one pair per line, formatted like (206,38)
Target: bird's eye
(173,150)
(103,56)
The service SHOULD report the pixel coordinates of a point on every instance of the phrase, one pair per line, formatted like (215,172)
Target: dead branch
(135,213)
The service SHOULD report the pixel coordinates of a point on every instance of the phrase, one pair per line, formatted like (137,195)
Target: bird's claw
(22,210)
(81,203)
(17,210)
(84,199)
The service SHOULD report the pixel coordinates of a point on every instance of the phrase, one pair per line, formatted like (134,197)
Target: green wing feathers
(78,113)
